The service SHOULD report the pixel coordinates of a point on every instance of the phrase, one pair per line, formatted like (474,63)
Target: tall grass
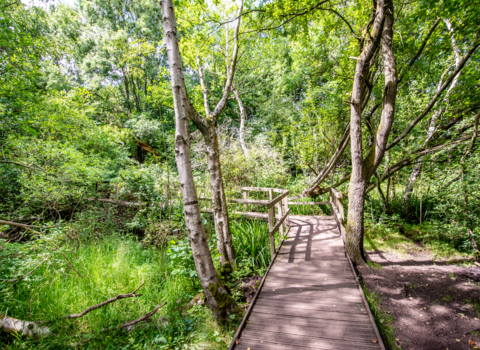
(108,266)
(251,242)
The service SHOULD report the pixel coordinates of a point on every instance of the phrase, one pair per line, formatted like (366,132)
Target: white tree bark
(217,298)
(26,328)
(243,118)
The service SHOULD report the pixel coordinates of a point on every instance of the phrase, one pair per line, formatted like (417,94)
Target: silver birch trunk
(207,127)
(221,304)
(243,117)
(219,201)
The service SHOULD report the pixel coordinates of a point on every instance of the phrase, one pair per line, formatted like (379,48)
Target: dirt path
(435,304)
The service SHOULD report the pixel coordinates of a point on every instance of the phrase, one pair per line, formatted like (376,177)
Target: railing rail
(276,222)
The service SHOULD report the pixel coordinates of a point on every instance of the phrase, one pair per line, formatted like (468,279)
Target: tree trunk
(363,169)
(243,117)
(356,190)
(221,304)
(219,202)
(207,127)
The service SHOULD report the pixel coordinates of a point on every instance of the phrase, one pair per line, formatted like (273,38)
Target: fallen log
(26,328)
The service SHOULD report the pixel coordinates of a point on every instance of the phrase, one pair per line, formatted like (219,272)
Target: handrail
(277,199)
(280,202)
(336,193)
(279,222)
(308,203)
(262,189)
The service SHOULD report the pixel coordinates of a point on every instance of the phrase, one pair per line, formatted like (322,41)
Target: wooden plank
(339,333)
(271,214)
(352,307)
(262,189)
(309,322)
(336,193)
(248,214)
(307,203)
(290,312)
(315,343)
(249,201)
(310,298)
(242,201)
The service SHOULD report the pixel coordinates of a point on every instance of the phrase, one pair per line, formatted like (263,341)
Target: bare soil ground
(435,304)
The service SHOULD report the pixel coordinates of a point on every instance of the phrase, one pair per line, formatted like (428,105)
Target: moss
(226,305)
(226,270)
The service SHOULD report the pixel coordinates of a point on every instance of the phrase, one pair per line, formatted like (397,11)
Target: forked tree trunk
(206,125)
(219,301)
(363,169)
(219,202)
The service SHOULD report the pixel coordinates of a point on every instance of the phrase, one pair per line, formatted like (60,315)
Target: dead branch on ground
(111,300)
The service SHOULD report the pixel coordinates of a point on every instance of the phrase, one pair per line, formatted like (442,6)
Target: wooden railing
(336,202)
(276,221)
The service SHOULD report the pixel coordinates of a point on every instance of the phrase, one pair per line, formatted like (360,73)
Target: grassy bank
(75,274)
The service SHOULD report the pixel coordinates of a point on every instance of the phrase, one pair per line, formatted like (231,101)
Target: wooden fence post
(271,224)
(280,215)
(245,197)
(286,210)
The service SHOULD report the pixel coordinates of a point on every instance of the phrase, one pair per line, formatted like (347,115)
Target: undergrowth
(101,266)
(382,320)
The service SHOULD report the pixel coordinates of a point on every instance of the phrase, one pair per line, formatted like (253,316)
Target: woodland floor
(435,304)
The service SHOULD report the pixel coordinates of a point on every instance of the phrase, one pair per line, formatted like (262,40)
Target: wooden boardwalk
(310,298)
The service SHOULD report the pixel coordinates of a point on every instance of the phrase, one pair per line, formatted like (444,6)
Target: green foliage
(252,245)
(181,259)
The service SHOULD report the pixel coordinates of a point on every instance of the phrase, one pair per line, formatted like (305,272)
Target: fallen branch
(97,306)
(145,317)
(31,329)
(26,227)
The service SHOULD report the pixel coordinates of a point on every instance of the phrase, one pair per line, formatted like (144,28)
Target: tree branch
(420,49)
(106,302)
(437,95)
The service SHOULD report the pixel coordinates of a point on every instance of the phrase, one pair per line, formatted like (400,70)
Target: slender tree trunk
(219,202)
(127,90)
(221,304)
(356,191)
(243,117)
